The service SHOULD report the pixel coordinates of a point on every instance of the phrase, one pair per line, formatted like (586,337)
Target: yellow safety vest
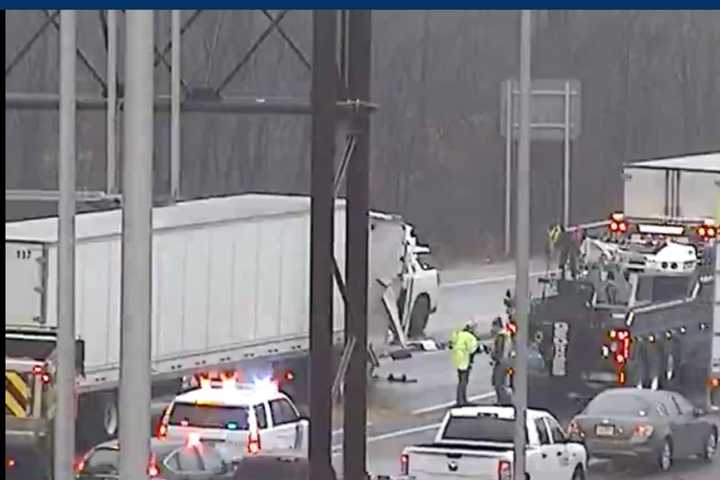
(464,344)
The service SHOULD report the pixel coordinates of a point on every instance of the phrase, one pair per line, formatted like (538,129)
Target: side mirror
(698,412)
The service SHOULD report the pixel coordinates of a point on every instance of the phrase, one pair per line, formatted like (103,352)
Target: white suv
(245,419)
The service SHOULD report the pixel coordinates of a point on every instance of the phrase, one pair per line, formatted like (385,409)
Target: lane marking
(481,281)
(443,406)
(339,431)
(337,449)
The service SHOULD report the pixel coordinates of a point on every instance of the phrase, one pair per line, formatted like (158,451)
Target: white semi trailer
(230,291)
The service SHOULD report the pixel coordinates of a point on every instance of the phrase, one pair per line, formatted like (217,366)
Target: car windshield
(618,404)
(482,428)
(209,416)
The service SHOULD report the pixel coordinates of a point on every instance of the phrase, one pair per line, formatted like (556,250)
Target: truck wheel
(419,316)
(579,473)
(637,371)
(110,415)
(671,364)
(654,362)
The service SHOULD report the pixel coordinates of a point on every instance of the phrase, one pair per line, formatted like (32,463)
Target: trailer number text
(23,254)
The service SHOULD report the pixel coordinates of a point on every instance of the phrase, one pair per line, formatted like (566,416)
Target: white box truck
(684,188)
(230,291)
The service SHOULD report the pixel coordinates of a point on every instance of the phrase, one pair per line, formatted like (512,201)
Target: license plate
(604,430)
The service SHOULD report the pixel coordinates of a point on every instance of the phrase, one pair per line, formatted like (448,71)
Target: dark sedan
(652,425)
(169,460)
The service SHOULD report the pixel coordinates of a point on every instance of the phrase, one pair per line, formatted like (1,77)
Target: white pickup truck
(477,443)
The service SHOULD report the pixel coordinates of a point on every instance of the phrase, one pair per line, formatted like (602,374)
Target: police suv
(244,418)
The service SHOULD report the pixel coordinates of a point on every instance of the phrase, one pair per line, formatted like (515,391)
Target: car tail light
(404,464)
(574,429)
(504,470)
(253,443)
(642,431)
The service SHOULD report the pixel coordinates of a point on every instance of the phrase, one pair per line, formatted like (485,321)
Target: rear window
(618,405)
(480,429)
(210,416)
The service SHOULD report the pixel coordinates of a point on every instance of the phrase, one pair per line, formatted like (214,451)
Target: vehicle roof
(183,214)
(502,412)
(701,162)
(229,396)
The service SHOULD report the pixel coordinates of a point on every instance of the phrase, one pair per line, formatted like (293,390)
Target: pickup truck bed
(477,443)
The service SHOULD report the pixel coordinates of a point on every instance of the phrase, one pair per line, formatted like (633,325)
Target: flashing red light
(620,358)
(614,226)
(714,382)
(289,376)
(512,328)
(153,470)
(504,470)
(404,464)
(80,465)
(10,463)
(253,443)
(37,370)
(46,378)
(622,226)
(163,426)
(193,440)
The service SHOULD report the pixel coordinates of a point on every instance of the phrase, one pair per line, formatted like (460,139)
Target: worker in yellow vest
(464,344)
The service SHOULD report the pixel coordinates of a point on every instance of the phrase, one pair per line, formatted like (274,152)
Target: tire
(578,473)
(637,371)
(671,365)
(711,443)
(664,456)
(654,366)
(419,316)
(111,417)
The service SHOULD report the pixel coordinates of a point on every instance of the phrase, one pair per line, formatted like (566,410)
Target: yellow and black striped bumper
(17,394)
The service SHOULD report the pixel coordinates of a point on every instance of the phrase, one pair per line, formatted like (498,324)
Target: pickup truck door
(286,426)
(562,463)
(542,459)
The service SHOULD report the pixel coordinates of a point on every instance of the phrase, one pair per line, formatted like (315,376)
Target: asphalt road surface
(402,414)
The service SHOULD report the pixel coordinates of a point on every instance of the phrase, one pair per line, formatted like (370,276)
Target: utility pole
(111,164)
(175,139)
(358,204)
(136,247)
(522,254)
(322,219)
(65,378)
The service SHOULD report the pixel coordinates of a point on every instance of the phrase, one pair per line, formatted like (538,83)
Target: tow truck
(642,308)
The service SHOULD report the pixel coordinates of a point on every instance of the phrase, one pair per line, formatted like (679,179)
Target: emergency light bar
(676,230)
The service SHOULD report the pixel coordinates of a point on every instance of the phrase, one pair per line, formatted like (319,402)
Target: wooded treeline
(650,87)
